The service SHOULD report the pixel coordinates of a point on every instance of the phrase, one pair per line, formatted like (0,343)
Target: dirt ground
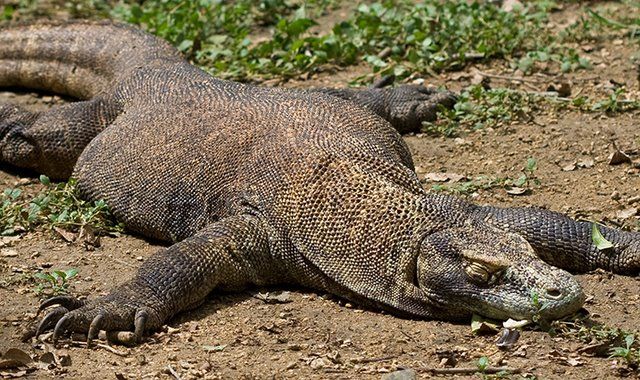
(317,336)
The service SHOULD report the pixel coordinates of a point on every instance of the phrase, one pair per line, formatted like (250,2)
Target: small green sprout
(483,363)
(55,282)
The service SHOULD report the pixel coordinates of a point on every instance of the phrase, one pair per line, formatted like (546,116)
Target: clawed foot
(410,105)
(116,312)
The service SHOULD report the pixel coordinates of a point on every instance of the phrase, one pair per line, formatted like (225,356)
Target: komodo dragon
(259,186)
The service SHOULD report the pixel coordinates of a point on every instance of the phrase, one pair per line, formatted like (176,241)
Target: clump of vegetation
(515,186)
(55,282)
(57,205)
(604,341)
(394,37)
(479,108)
(399,37)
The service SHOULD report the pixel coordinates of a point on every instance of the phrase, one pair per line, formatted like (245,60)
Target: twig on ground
(124,263)
(507,77)
(101,345)
(173,372)
(375,360)
(471,370)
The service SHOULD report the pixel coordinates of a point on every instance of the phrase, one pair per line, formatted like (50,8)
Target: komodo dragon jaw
(486,271)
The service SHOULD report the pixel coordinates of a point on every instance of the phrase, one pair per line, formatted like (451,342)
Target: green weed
(478,108)
(628,353)
(602,340)
(57,205)
(616,102)
(55,282)
(483,363)
(394,37)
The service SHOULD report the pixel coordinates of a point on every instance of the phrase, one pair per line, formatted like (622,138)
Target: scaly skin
(256,186)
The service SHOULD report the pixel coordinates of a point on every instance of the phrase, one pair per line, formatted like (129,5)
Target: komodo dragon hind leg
(405,107)
(567,243)
(50,142)
(230,254)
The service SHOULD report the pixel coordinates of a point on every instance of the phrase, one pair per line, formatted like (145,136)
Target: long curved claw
(140,323)
(94,328)
(60,328)
(69,302)
(51,319)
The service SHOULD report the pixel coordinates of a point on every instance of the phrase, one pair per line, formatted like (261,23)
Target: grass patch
(602,340)
(479,108)
(55,282)
(57,205)
(394,37)
(399,37)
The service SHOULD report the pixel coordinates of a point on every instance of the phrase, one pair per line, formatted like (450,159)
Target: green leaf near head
(600,242)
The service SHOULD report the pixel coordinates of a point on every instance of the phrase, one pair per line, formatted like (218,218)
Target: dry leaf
(67,236)
(513,324)
(516,190)
(89,237)
(480,325)
(619,157)
(8,252)
(569,167)
(574,362)
(14,358)
(274,297)
(627,213)
(443,177)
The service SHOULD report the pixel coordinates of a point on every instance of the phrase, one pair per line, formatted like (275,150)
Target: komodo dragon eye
(482,273)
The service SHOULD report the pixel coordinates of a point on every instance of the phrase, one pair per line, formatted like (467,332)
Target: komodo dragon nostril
(553,293)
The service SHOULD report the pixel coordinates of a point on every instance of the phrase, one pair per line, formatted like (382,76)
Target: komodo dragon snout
(486,271)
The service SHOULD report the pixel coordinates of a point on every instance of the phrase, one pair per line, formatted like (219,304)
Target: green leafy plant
(628,353)
(479,108)
(416,38)
(598,239)
(608,342)
(57,205)
(54,282)
(616,102)
(483,363)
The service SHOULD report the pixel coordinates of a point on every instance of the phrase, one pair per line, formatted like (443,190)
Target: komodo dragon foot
(405,107)
(125,307)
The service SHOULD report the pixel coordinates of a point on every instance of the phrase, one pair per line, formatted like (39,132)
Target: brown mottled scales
(257,186)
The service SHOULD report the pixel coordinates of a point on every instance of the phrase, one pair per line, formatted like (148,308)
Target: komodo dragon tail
(79,58)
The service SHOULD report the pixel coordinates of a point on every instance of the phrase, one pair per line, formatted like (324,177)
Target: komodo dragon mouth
(252,185)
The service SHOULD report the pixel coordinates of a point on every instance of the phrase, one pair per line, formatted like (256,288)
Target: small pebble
(405,374)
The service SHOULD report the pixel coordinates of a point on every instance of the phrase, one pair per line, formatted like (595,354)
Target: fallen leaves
(14,358)
(444,177)
(274,297)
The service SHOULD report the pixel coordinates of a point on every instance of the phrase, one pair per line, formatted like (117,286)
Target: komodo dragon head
(496,274)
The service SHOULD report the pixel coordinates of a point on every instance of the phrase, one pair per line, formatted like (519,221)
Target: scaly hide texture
(257,186)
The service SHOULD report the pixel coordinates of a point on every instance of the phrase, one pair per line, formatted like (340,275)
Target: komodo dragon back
(253,186)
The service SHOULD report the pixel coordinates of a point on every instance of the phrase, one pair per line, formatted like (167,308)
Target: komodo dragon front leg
(229,254)
(50,142)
